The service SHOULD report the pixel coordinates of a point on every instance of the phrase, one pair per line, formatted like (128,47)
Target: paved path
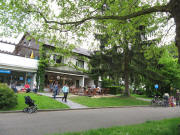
(42,123)
(144,99)
(69,103)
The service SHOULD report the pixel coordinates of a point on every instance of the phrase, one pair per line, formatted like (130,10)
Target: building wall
(18,63)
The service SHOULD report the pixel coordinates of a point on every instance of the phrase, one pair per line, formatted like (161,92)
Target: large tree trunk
(175,11)
(126,74)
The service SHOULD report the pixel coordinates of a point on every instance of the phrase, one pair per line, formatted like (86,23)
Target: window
(80,63)
(57,59)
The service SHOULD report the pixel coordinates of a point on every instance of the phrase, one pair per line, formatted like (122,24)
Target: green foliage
(42,65)
(106,83)
(140,91)
(116,90)
(8,98)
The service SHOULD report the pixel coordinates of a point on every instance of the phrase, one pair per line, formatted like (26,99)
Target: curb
(90,108)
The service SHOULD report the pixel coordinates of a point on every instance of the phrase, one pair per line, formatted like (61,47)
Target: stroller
(32,107)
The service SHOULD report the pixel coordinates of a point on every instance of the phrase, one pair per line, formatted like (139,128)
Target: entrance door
(77,83)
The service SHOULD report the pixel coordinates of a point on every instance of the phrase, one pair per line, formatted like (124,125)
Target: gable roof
(82,51)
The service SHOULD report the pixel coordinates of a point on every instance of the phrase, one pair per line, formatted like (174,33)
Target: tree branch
(154,9)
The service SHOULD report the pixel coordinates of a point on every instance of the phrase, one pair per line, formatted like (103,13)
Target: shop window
(37,57)
(80,63)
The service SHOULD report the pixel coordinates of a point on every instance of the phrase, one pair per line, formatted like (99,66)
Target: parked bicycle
(157,101)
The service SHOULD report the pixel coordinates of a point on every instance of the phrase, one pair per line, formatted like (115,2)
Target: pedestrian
(27,88)
(55,89)
(52,86)
(13,86)
(34,88)
(166,99)
(65,91)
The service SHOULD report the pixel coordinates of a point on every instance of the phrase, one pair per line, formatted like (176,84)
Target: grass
(43,102)
(140,96)
(108,101)
(163,127)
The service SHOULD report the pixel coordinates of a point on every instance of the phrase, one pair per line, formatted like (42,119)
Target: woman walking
(65,90)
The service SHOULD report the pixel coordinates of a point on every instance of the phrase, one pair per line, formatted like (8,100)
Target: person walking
(13,86)
(55,89)
(166,99)
(34,88)
(65,90)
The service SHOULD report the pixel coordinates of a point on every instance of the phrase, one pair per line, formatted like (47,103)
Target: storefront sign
(5,71)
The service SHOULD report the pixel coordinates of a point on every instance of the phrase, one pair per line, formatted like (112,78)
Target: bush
(107,83)
(8,98)
(140,91)
(116,89)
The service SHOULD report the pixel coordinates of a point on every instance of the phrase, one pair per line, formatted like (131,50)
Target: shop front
(21,78)
(17,69)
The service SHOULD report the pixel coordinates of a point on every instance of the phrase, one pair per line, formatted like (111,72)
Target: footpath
(144,99)
(69,103)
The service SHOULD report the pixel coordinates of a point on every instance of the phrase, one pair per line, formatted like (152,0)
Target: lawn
(42,102)
(163,127)
(108,101)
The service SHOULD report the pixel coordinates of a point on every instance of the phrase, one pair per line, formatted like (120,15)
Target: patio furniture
(105,91)
(75,91)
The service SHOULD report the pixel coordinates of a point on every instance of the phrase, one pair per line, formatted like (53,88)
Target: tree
(75,15)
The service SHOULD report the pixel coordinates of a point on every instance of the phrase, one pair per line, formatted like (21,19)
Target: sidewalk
(69,103)
(144,99)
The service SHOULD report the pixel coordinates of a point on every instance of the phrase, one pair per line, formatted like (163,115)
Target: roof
(6,47)
(82,51)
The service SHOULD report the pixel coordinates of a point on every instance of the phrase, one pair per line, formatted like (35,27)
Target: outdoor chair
(75,91)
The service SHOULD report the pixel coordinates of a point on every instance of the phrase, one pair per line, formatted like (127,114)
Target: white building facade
(17,66)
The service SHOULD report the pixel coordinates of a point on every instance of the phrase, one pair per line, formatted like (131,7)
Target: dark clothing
(35,90)
(55,90)
(28,90)
(15,90)
(54,94)
(166,101)
(29,101)
(178,99)
(14,87)
(65,96)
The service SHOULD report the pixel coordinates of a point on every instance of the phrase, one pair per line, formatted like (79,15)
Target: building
(21,65)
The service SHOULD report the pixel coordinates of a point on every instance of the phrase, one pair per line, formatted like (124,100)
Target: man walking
(55,89)
(65,90)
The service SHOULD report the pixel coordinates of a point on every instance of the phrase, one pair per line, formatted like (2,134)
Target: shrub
(107,83)
(116,89)
(140,91)
(8,98)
